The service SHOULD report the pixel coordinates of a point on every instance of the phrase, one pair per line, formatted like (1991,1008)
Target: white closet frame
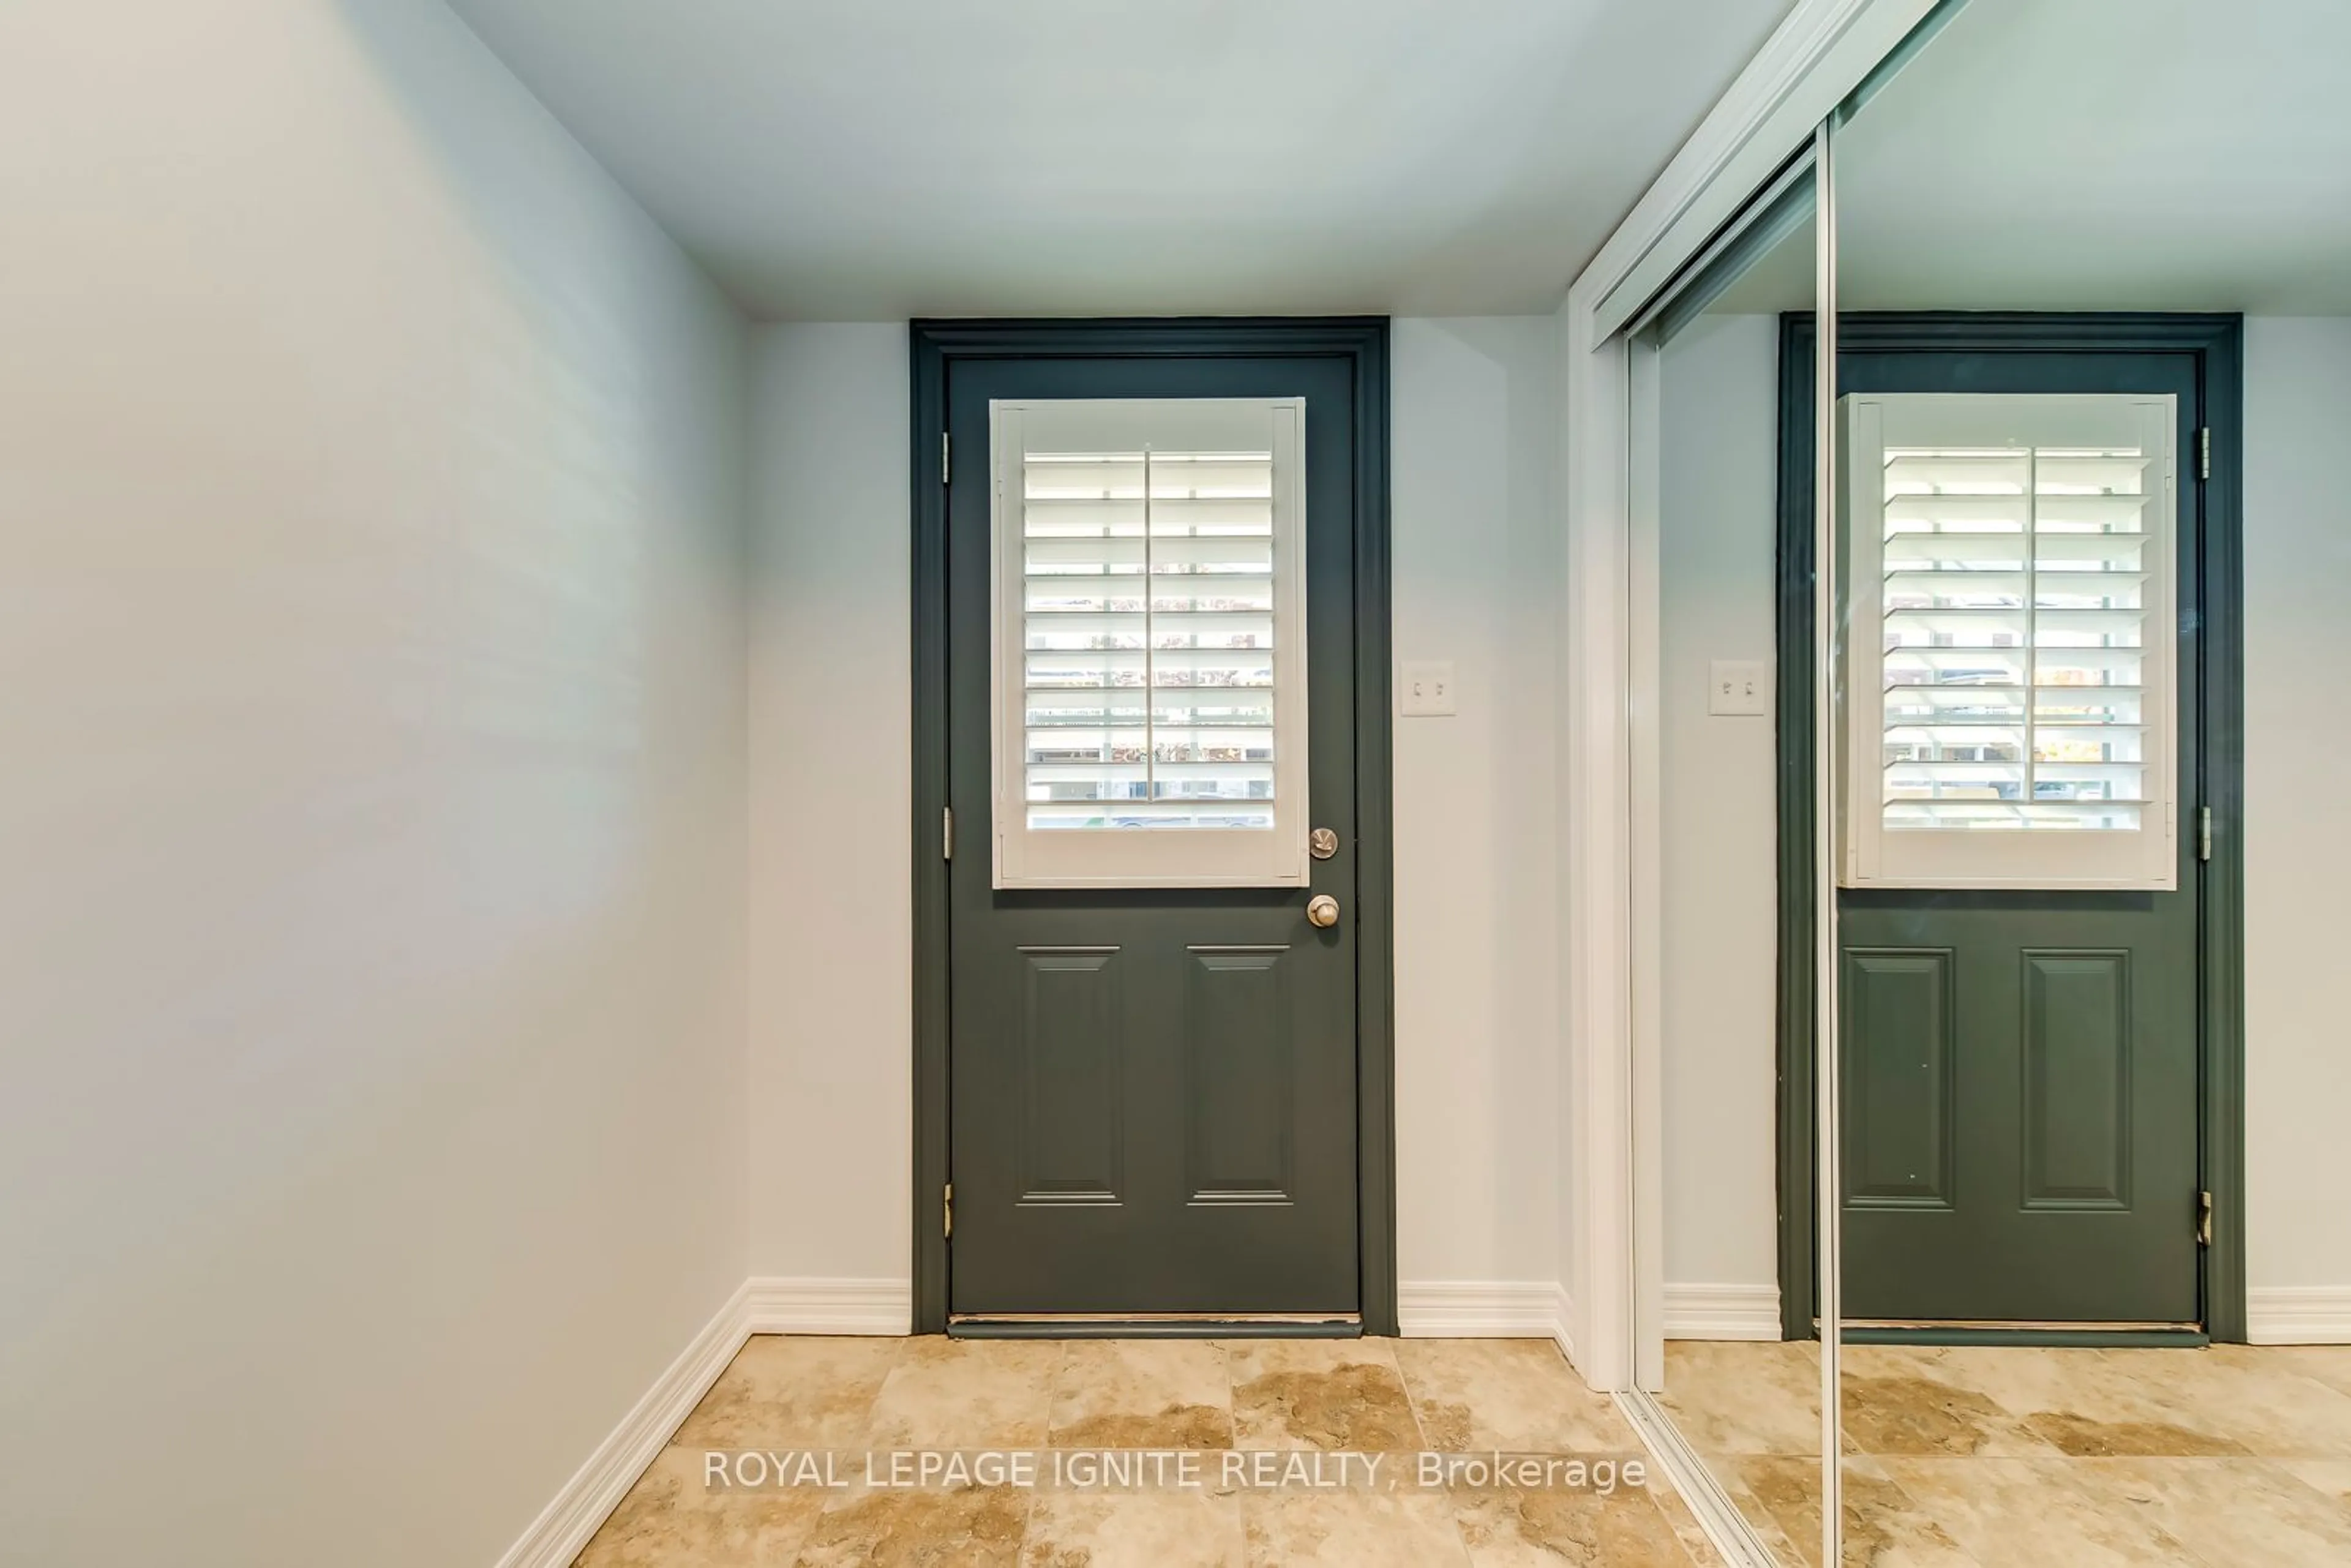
(1611,1129)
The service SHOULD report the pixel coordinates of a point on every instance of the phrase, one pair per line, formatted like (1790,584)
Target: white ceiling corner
(845,160)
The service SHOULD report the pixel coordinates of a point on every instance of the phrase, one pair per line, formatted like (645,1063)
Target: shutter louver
(2015,594)
(2013,628)
(1150,668)
(1149,638)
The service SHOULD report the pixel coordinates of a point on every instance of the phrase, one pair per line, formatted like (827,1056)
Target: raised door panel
(1898,1066)
(1072,1137)
(2076,1042)
(1240,1073)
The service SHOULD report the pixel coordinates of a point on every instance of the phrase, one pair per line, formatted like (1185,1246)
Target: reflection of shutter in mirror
(2015,627)
(1149,638)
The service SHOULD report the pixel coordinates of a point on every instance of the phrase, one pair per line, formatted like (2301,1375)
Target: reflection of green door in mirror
(2020,1062)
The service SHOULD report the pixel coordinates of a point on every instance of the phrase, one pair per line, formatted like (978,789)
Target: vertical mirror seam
(1827,1181)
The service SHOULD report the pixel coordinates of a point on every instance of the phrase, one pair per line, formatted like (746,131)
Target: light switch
(1738,686)
(1425,689)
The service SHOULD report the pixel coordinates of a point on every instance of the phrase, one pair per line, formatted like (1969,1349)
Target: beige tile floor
(2232,1456)
(1380,1396)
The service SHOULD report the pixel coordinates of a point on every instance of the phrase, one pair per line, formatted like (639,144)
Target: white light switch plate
(1425,689)
(1738,686)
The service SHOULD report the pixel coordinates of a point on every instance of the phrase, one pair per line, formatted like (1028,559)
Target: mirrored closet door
(2094,261)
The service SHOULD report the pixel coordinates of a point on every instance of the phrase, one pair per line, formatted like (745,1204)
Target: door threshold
(2057,1333)
(1154,1325)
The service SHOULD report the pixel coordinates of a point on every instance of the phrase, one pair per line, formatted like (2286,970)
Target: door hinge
(946,1203)
(2204,452)
(947,457)
(2203,1219)
(2204,834)
(946,832)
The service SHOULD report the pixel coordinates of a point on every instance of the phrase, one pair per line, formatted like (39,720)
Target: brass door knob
(1323,910)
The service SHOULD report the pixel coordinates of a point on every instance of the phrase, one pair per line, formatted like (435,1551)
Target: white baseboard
(1482,1309)
(2298,1314)
(757,1306)
(556,1535)
(1722,1312)
(828,1306)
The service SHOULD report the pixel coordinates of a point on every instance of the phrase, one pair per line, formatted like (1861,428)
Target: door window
(1150,679)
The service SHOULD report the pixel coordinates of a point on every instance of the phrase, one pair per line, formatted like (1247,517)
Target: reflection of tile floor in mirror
(2234,1456)
(1372,1395)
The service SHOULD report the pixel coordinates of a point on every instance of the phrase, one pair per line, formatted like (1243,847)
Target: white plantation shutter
(1150,666)
(2011,715)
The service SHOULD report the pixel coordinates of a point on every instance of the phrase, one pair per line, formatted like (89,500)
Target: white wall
(1716,528)
(831,1073)
(371,702)
(2297,845)
(1720,419)
(1474,428)
(1475,411)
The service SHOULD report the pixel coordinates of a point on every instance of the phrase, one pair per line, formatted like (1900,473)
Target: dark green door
(2020,1068)
(1151,1090)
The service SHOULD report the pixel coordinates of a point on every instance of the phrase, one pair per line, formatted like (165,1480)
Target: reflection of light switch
(1738,686)
(1425,690)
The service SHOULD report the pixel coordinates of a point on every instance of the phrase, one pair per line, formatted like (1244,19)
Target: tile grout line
(1455,1514)
(900,1348)
(1052,1402)
(874,1402)
(1411,1400)
(1224,1355)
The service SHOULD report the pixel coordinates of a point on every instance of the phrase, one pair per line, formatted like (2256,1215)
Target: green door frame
(2219,683)
(1362,342)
